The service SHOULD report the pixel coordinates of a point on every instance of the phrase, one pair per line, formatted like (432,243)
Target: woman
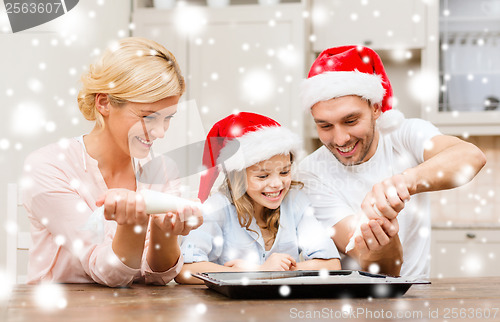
(131,93)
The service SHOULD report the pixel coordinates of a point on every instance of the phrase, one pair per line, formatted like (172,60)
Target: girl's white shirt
(221,237)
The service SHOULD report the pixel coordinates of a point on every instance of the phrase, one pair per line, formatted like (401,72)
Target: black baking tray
(307,284)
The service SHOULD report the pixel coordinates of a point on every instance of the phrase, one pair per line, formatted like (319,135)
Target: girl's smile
(268,182)
(273,196)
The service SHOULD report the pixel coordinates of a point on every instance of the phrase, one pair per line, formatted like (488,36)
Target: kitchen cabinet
(465,252)
(379,24)
(242,58)
(234,58)
(466,56)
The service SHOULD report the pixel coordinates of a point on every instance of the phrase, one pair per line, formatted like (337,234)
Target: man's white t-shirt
(336,191)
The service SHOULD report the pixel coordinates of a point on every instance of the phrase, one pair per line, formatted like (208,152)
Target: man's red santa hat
(351,70)
(242,140)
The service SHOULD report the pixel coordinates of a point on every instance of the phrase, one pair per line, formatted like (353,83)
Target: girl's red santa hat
(242,140)
(351,70)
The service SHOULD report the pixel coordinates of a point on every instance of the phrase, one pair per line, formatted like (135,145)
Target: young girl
(259,220)
(131,93)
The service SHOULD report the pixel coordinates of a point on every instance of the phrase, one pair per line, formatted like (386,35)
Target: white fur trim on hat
(389,121)
(329,85)
(257,146)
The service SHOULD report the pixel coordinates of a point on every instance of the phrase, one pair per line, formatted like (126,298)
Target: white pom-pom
(389,121)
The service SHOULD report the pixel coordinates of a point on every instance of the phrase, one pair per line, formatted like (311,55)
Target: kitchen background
(441,57)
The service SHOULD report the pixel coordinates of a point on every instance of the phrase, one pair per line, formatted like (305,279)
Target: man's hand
(373,237)
(375,246)
(387,198)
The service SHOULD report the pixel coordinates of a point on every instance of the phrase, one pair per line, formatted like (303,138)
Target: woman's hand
(128,209)
(279,262)
(124,206)
(181,222)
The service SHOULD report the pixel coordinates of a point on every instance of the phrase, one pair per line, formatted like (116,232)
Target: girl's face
(136,125)
(269,181)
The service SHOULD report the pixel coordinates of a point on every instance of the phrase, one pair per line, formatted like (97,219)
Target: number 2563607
(470,313)
(33,7)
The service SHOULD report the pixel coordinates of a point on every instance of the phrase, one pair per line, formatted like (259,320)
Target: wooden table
(473,299)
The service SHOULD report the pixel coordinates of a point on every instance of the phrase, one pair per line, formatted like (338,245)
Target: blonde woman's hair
(133,70)
(235,185)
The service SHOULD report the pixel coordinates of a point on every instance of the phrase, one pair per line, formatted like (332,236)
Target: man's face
(346,126)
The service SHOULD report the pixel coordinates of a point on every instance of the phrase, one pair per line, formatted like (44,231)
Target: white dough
(362,219)
(159,202)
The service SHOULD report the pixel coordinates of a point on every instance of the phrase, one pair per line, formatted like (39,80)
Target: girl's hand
(181,222)
(241,265)
(279,262)
(124,206)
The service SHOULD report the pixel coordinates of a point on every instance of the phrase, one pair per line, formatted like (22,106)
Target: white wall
(40,70)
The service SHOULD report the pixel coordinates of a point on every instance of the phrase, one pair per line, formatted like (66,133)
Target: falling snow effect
(245,280)
(374,268)
(138,229)
(192,221)
(32,118)
(201,308)
(285,290)
(218,241)
(6,285)
(50,297)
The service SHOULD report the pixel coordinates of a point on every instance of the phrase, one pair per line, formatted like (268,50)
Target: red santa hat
(241,140)
(351,70)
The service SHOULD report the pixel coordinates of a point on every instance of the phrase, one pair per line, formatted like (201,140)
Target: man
(375,164)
